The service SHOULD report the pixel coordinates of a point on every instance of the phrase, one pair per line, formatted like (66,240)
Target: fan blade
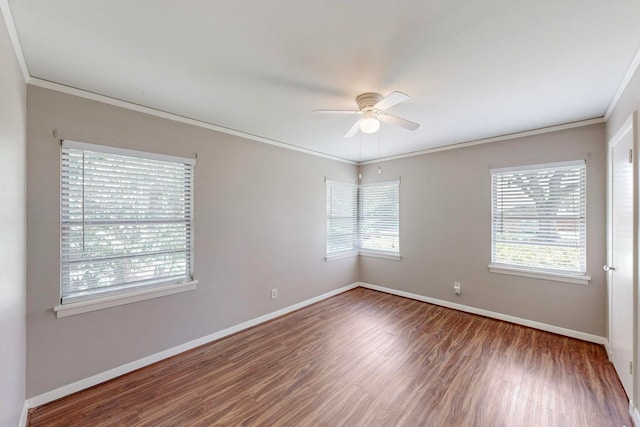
(337,112)
(353,130)
(397,121)
(390,100)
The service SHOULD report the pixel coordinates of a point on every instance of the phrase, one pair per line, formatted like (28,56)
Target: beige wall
(260,224)
(13,114)
(445,230)
(628,103)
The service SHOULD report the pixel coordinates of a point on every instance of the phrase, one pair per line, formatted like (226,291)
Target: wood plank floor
(363,358)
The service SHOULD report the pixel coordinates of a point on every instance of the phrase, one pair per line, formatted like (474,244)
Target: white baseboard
(512,319)
(24,415)
(145,361)
(607,347)
(635,416)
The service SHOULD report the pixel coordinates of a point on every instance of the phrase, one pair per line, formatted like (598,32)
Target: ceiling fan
(371,108)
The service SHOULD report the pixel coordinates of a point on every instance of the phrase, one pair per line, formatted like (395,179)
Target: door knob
(608,268)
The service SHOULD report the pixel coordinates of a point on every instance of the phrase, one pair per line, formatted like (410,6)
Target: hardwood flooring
(363,358)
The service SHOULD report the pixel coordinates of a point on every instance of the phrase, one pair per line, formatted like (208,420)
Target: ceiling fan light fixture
(372,106)
(370,124)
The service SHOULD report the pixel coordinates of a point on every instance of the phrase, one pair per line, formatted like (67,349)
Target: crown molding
(69,90)
(489,140)
(15,41)
(13,35)
(174,117)
(623,85)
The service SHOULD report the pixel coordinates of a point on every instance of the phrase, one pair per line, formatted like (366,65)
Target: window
(342,218)
(539,218)
(126,221)
(378,217)
(362,219)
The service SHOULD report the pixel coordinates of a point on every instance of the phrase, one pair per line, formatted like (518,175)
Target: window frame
(358,208)
(554,274)
(330,208)
(140,288)
(370,251)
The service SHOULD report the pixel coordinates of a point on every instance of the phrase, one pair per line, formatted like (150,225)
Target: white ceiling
(473,69)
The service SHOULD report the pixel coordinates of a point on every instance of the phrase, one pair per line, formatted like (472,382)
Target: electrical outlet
(457,289)
(274,293)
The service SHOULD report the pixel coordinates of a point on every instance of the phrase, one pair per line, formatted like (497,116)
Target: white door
(621,252)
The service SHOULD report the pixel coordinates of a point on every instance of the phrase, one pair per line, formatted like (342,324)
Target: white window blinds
(126,220)
(342,217)
(379,219)
(539,217)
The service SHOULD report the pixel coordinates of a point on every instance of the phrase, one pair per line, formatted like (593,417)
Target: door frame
(631,122)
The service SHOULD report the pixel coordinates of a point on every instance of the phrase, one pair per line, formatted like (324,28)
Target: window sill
(341,255)
(372,254)
(535,274)
(79,307)
(381,254)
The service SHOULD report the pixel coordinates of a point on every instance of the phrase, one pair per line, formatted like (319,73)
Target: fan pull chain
(379,169)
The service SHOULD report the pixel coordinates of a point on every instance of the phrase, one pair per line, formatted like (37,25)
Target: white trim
(633,67)
(505,317)
(341,255)
(535,274)
(380,254)
(24,416)
(376,184)
(181,119)
(68,389)
(85,146)
(558,165)
(15,41)
(607,348)
(635,416)
(532,132)
(174,117)
(367,253)
(627,127)
(71,309)
(622,130)
(620,133)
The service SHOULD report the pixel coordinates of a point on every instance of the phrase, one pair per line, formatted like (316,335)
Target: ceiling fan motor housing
(366,101)
(372,107)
